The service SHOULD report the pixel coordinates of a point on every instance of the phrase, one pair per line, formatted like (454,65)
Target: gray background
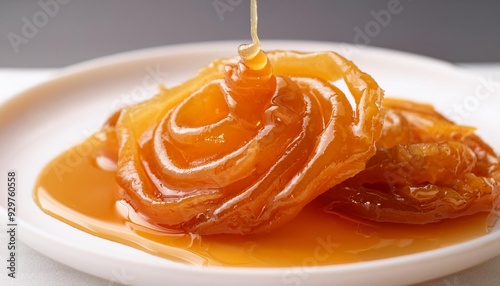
(456,31)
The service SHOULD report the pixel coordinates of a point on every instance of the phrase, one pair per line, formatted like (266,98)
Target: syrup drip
(251,54)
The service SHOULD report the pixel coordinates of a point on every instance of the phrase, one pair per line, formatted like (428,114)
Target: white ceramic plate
(40,123)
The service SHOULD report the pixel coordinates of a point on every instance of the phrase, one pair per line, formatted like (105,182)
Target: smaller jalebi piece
(426,169)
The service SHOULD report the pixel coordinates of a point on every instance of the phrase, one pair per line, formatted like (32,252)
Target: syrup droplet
(251,54)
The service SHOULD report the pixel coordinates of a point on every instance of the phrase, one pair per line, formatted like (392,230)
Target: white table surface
(37,269)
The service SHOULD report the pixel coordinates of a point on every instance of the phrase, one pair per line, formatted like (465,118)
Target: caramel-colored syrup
(79,188)
(251,54)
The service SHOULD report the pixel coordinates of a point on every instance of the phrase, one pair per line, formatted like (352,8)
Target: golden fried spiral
(426,169)
(236,150)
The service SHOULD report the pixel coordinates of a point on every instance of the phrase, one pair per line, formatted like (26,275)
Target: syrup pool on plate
(315,236)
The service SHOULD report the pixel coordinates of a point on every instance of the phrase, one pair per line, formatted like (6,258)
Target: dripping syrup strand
(251,54)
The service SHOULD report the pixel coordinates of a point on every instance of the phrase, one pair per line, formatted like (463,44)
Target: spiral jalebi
(241,150)
(426,169)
